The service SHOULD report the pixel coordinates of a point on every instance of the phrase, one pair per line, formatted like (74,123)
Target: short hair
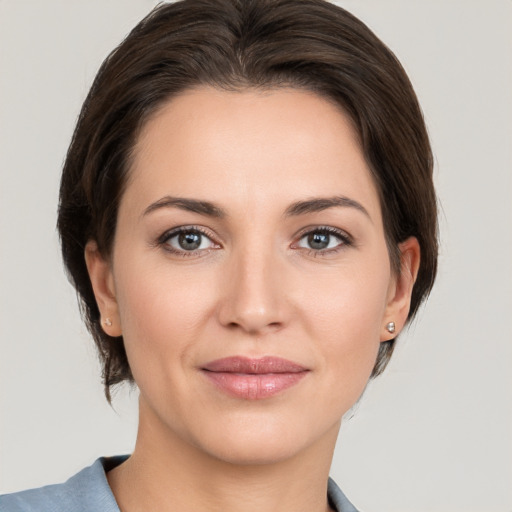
(237,45)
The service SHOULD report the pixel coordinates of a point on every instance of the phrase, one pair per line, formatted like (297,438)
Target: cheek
(345,316)
(161,309)
(349,301)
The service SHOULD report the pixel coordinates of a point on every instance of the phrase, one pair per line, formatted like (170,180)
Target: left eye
(190,240)
(320,240)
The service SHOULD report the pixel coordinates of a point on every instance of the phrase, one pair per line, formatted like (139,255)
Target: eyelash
(344,239)
(163,241)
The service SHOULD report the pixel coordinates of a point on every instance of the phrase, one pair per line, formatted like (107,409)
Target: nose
(254,299)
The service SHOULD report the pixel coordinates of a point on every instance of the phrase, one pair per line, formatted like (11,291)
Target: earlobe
(102,280)
(399,299)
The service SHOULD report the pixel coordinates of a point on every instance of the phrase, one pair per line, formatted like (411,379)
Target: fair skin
(276,265)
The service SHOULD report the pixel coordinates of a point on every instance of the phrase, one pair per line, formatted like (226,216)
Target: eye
(323,239)
(186,240)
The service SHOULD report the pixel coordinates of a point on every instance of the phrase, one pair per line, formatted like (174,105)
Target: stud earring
(108,322)
(390,327)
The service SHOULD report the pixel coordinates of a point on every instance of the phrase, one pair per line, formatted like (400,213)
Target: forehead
(250,147)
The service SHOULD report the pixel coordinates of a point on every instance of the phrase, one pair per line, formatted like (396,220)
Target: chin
(255,452)
(266,442)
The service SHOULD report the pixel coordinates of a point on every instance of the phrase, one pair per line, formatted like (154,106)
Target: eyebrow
(319,204)
(189,205)
(303,207)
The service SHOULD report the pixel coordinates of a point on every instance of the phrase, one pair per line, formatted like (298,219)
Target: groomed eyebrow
(319,204)
(209,209)
(189,205)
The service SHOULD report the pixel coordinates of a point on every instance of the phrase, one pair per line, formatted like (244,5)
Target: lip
(253,378)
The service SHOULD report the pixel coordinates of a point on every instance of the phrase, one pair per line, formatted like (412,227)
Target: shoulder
(87,490)
(338,501)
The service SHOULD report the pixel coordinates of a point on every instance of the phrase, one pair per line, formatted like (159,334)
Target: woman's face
(250,276)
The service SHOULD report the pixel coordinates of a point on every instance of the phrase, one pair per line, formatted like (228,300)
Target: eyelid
(170,233)
(180,229)
(346,240)
(341,233)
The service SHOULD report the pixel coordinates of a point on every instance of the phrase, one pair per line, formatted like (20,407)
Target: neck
(167,473)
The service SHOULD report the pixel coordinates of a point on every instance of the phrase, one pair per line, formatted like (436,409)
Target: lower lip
(254,386)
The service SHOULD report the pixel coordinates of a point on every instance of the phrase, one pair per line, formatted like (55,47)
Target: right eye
(187,241)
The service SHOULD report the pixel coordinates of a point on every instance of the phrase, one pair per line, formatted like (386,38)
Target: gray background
(434,433)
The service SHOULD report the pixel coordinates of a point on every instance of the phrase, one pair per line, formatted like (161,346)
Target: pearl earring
(108,322)
(390,327)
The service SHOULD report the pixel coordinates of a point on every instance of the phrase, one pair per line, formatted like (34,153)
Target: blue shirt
(88,491)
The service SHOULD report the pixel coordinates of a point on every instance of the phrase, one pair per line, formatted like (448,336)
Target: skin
(255,287)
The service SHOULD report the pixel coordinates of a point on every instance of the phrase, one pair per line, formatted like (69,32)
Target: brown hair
(237,44)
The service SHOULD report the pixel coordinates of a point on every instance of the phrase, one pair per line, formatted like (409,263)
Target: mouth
(253,379)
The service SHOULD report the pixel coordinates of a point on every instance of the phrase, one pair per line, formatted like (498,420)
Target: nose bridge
(254,300)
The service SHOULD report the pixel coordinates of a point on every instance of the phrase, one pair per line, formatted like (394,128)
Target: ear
(102,280)
(400,289)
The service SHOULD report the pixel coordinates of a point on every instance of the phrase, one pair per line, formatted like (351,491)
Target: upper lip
(255,366)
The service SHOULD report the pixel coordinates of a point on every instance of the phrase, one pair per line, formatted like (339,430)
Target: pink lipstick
(253,379)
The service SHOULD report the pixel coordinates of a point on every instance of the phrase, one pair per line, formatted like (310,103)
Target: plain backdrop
(435,432)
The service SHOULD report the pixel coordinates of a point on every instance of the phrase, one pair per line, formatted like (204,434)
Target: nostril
(254,329)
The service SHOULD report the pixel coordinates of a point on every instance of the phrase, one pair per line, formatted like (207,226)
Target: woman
(248,216)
